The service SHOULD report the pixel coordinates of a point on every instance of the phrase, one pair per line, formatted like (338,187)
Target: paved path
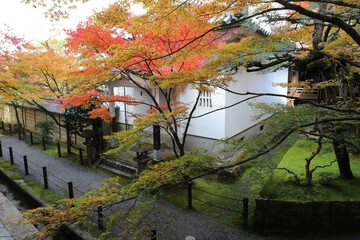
(172,224)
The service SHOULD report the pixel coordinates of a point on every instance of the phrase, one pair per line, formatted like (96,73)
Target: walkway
(173,224)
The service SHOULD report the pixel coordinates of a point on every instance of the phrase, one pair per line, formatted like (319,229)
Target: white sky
(30,23)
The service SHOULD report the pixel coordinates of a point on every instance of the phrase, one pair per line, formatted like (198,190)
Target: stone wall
(322,215)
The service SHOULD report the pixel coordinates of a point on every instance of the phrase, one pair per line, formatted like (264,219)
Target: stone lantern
(142,156)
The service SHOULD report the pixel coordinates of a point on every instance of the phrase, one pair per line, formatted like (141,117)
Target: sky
(30,23)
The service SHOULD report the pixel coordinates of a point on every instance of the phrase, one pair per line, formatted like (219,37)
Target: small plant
(326,178)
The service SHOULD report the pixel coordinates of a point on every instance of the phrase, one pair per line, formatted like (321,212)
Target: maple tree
(42,72)
(124,51)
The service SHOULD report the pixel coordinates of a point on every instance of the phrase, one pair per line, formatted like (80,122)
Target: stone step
(116,171)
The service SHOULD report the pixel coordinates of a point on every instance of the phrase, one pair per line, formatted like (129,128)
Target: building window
(205,99)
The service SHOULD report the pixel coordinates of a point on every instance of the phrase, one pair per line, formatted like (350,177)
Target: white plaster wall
(211,125)
(239,117)
(139,95)
(232,121)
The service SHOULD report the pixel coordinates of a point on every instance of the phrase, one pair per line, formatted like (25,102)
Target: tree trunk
(16,108)
(68,140)
(308,174)
(343,160)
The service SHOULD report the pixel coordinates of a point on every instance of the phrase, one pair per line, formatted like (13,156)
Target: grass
(282,185)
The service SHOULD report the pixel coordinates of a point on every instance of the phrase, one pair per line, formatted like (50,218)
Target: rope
(214,205)
(234,199)
(49,173)
(78,190)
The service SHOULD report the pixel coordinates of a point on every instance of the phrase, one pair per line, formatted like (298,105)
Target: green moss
(5,165)
(38,189)
(282,185)
(45,195)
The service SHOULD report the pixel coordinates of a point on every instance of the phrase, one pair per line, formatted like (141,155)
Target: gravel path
(60,171)
(172,223)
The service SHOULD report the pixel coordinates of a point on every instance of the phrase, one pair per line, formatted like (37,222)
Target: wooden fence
(30,116)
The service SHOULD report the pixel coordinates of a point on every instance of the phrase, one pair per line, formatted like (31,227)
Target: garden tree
(13,89)
(131,53)
(88,109)
(56,10)
(43,72)
(300,120)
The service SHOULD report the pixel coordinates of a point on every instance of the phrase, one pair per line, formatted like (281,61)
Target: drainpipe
(157,144)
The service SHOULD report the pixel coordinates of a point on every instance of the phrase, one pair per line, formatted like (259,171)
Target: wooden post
(31,138)
(43,143)
(10,129)
(59,149)
(1,153)
(81,156)
(11,155)
(153,234)
(189,185)
(26,165)
(157,143)
(3,126)
(71,191)
(245,212)
(19,133)
(100,218)
(46,185)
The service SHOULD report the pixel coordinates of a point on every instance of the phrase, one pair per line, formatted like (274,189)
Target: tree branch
(326,18)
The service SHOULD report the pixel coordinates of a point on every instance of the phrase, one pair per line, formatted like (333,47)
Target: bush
(326,178)
(45,129)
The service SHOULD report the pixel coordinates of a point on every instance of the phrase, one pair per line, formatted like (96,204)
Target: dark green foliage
(326,178)
(44,129)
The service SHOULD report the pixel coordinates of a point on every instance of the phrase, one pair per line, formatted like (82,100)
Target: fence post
(26,165)
(11,155)
(46,185)
(43,143)
(3,126)
(59,150)
(71,191)
(31,138)
(100,218)
(245,212)
(81,156)
(189,186)
(1,153)
(10,129)
(153,234)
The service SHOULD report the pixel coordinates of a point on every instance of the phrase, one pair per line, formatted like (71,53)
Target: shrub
(326,178)
(45,129)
